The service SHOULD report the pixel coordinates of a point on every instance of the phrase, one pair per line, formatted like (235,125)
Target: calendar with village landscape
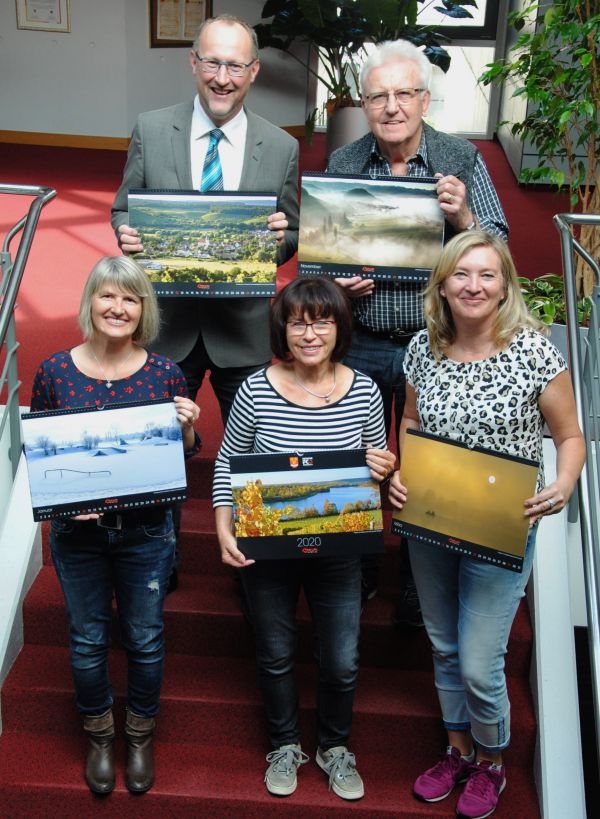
(213,244)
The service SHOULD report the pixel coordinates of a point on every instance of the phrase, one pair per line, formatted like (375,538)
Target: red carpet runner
(210,738)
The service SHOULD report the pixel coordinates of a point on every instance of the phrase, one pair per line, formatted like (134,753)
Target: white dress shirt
(231,147)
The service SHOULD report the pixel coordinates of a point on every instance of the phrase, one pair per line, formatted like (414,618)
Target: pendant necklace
(326,397)
(108,383)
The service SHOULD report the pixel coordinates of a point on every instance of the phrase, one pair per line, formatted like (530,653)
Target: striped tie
(212,176)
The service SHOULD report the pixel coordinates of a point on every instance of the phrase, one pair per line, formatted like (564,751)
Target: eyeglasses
(404,96)
(209,66)
(321,327)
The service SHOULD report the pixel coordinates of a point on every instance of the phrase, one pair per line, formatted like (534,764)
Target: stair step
(42,777)
(216,700)
(200,555)
(200,470)
(205,618)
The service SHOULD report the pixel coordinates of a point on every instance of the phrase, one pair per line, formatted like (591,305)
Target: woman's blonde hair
(513,314)
(127,275)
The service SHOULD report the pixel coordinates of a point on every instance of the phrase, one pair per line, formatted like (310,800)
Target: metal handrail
(12,275)
(10,288)
(584,361)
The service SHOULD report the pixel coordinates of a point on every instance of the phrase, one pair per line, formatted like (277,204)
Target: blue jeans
(332,590)
(135,562)
(381,359)
(468,608)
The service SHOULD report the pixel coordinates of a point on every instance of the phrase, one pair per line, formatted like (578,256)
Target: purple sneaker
(484,786)
(437,782)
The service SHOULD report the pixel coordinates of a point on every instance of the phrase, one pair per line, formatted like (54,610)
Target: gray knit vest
(450,156)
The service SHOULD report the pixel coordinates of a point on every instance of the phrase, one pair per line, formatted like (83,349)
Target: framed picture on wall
(173,23)
(44,15)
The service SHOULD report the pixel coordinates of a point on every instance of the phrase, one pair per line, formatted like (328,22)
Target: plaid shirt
(396,305)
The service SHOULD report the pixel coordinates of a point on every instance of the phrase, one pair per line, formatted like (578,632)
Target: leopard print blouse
(491,403)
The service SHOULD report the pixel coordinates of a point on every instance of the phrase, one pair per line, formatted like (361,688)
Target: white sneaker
(344,779)
(281,777)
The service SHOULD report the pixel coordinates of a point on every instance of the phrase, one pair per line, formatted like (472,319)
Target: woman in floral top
(129,554)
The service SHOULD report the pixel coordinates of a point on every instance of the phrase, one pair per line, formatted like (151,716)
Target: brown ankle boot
(139,774)
(100,761)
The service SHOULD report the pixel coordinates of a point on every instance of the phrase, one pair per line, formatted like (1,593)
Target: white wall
(96,79)
(65,83)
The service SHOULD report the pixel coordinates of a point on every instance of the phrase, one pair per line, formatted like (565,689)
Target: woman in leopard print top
(483,374)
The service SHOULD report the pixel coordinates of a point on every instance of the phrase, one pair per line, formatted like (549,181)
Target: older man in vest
(395,98)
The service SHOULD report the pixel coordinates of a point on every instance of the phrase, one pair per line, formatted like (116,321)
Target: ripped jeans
(134,563)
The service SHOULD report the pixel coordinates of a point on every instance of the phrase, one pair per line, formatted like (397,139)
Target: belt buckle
(118,524)
(398,335)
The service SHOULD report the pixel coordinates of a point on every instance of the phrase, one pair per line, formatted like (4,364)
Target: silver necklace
(326,397)
(108,383)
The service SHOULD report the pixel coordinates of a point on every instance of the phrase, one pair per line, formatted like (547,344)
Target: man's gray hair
(231,20)
(393,51)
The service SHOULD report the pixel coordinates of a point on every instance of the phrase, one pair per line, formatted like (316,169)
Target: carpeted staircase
(210,738)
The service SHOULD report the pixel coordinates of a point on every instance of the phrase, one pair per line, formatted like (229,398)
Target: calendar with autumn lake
(305,504)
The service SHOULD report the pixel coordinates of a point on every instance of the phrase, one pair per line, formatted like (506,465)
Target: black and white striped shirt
(261,420)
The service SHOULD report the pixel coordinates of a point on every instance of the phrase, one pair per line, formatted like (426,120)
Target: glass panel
(428,16)
(458,103)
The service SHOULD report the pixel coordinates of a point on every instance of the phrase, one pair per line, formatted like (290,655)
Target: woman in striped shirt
(307,401)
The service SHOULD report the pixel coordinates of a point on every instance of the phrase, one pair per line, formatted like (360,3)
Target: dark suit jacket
(235,331)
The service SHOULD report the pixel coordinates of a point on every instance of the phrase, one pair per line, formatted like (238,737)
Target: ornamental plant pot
(344,125)
(559,337)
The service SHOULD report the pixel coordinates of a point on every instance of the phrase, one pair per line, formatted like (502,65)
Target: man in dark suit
(229,337)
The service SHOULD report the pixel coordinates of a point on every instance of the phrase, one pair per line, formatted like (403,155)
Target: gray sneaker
(280,777)
(344,779)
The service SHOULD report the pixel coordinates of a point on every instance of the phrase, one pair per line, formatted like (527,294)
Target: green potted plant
(336,32)
(545,298)
(399,19)
(555,65)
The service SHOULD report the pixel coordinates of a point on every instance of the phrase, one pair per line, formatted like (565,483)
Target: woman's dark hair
(316,298)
